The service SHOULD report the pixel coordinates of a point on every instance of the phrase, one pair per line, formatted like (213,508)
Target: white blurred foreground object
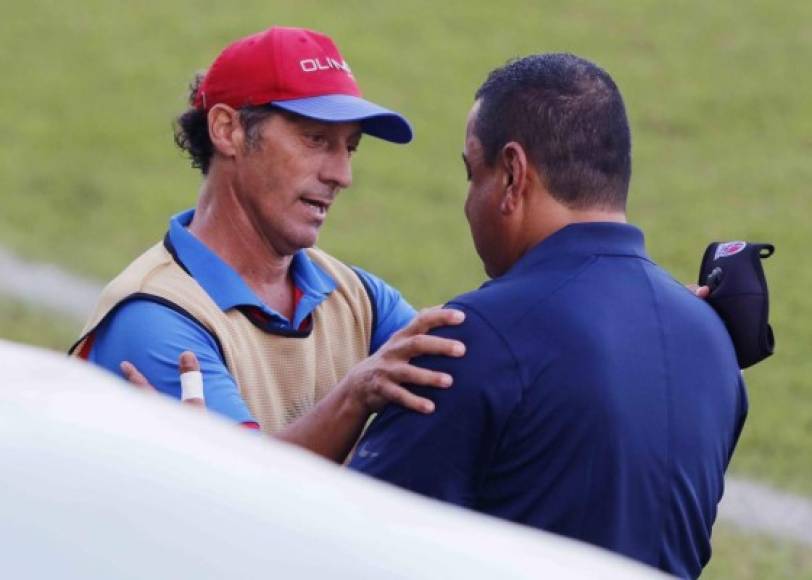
(101,481)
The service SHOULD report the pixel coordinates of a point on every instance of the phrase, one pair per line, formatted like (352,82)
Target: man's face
(485,186)
(289,175)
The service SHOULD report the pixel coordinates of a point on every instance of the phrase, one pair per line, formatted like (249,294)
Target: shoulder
(383,295)
(505,301)
(147,324)
(151,264)
(152,336)
(391,311)
(143,268)
(690,318)
(488,371)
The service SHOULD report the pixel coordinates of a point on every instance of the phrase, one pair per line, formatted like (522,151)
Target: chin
(307,240)
(491,270)
(496,268)
(289,242)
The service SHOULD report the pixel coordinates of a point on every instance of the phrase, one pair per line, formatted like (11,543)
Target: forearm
(331,428)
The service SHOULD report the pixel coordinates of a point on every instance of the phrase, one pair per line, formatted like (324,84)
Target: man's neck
(557,217)
(224,226)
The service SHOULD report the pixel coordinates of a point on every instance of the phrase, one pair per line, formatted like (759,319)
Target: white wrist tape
(191,385)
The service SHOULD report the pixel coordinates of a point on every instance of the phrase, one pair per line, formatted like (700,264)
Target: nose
(337,170)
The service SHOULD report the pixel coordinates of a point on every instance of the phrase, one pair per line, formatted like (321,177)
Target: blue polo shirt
(598,399)
(152,336)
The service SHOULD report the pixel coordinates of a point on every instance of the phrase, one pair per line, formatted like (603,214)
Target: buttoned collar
(228,290)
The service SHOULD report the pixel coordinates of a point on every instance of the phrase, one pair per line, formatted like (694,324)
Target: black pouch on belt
(738,293)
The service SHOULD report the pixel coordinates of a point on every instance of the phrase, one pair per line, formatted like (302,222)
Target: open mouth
(321,207)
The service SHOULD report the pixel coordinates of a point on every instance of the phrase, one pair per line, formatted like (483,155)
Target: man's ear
(514,165)
(225,130)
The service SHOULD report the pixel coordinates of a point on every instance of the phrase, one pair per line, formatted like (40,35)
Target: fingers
(384,388)
(423,344)
(188,362)
(376,381)
(394,393)
(699,291)
(413,402)
(412,341)
(191,380)
(195,403)
(410,374)
(432,318)
(134,376)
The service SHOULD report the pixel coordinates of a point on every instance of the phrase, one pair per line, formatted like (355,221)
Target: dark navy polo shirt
(152,336)
(598,399)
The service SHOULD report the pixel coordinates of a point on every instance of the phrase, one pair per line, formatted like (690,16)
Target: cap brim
(374,119)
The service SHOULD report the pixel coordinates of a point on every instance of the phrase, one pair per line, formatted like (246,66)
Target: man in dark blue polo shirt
(598,398)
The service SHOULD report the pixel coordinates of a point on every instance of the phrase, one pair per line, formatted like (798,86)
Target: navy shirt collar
(229,290)
(585,239)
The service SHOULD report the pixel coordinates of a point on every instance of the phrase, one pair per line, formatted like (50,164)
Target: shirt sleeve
(152,337)
(446,453)
(392,311)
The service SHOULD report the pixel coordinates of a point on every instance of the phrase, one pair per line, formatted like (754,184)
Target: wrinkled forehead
(351,129)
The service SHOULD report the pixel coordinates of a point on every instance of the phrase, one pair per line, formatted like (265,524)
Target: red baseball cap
(300,71)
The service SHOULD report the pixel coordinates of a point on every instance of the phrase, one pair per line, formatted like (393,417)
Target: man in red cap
(289,339)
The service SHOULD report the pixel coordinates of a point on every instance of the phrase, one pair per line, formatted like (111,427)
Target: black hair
(569,116)
(191,128)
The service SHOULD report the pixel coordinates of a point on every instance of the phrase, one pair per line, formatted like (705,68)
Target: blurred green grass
(718,96)
(756,557)
(21,322)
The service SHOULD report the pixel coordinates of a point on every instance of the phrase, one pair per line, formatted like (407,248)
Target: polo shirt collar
(228,289)
(585,239)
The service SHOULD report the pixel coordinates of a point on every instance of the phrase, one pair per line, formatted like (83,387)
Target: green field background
(719,96)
